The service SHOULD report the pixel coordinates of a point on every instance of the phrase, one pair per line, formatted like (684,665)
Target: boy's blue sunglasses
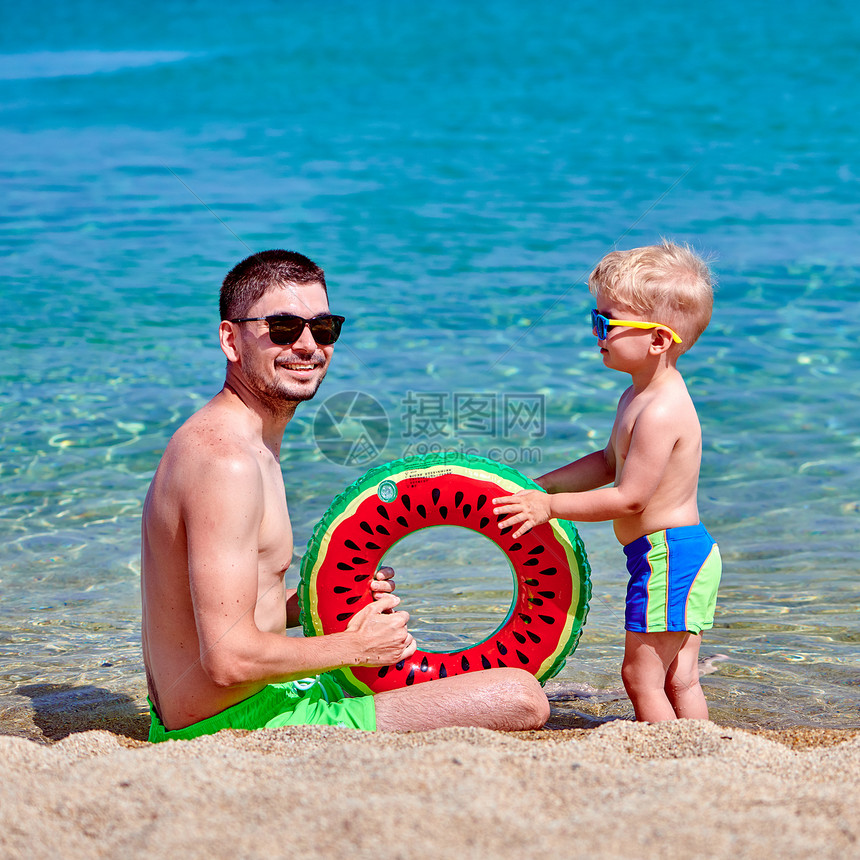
(601,325)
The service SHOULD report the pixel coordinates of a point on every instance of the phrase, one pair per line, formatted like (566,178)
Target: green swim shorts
(318,701)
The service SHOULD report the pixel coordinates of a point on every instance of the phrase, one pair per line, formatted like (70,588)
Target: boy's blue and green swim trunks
(318,701)
(674,576)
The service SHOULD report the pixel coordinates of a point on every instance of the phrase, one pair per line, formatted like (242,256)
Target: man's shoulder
(210,442)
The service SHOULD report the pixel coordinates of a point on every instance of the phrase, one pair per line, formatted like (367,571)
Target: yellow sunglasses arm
(638,324)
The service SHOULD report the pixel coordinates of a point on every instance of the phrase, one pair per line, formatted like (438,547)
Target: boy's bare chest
(622,430)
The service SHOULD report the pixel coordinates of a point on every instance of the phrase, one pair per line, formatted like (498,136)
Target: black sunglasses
(286,329)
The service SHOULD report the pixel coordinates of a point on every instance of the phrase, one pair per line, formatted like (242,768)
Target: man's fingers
(384,602)
(382,582)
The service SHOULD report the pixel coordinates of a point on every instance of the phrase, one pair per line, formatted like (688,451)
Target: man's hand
(529,507)
(382,635)
(382,582)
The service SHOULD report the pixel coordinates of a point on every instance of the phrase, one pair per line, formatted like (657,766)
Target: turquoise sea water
(457,169)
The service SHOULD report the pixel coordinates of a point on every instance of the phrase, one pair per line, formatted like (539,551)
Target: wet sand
(621,789)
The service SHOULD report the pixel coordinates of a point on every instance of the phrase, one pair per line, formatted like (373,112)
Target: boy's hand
(528,507)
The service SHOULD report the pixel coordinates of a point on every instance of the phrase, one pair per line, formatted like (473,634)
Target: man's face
(281,374)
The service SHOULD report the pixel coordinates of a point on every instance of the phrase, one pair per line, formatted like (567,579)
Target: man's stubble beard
(278,399)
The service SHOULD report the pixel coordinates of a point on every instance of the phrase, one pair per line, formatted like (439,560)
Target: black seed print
(344,615)
(547,594)
(443,672)
(366,527)
(359,560)
(523,658)
(382,672)
(485,662)
(502,647)
(535,601)
(342,565)
(371,545)
(531,581)
(547,619)
(531,562)
(482,500)
(501,664)
(467,509)
(537,550)
(403,522)
(407,502)
(399,666)
(549,571)
(515,547)
(361,577)
(484,522)
(351,544)
(380,509)
(505,531)
(435,495)
(351,600)
(384,531)
(458,497)
(534,637)
(410,678)
(526,619)
(519,637)
(340,589)
(425,665)
(464,663)
(443,511)
(422,511)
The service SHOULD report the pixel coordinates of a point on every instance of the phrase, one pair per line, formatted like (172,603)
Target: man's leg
(647,660)
(682,682)
(505,699)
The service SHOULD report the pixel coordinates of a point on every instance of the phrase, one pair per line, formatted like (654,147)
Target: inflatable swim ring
(549,566)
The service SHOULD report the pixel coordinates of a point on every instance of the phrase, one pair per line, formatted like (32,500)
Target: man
(216,543)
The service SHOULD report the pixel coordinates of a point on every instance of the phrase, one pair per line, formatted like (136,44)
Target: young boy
(652,305)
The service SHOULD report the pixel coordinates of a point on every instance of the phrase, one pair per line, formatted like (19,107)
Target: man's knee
(528,703)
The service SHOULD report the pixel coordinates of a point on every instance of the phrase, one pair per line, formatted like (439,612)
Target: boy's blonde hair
(666,283)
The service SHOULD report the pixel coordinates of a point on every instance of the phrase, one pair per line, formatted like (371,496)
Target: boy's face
(624,348)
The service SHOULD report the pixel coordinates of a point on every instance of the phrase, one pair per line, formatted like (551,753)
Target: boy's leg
(648,659)
(682,681)
(505,699)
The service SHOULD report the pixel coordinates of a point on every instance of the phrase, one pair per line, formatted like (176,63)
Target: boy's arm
(651,443)
(587,473)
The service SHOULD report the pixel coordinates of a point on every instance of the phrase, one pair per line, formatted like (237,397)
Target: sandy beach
(619,790)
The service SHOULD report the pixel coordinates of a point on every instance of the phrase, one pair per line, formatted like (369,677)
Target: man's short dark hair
(251,279)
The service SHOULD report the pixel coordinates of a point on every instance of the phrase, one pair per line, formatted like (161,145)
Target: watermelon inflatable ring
(549,565)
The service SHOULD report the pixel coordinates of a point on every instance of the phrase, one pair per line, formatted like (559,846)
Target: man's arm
(652,441)
(223,534)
